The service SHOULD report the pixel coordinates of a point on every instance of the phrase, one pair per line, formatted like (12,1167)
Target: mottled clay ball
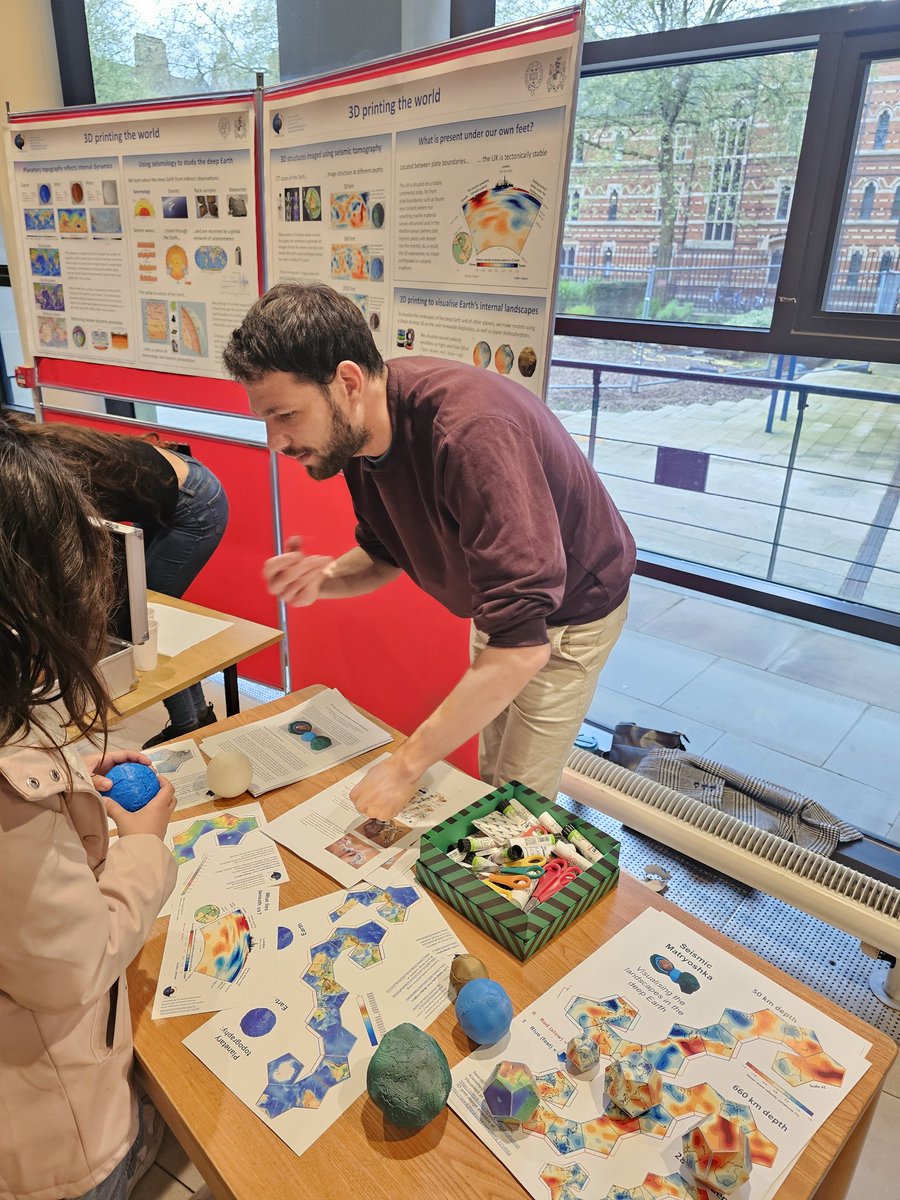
(133,785)
(229,774)
(464,968)
(409,1077)
(484,1011)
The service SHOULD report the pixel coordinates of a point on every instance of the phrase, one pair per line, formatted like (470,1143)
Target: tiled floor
(812,709)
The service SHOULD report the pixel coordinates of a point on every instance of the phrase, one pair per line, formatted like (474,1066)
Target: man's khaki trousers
(531,739)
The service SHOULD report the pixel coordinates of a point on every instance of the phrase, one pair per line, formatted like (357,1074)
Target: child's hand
(99,764)
(152,818)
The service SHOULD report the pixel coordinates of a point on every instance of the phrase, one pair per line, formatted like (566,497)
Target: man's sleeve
(494,486)
(367,541)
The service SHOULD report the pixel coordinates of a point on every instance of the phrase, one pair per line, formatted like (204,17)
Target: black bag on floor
(631,742)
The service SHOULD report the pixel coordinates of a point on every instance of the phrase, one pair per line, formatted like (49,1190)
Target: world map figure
(800,1059)
(287,1086)
(229,829)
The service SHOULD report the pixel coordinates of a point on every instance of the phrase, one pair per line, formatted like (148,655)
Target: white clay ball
(229,773)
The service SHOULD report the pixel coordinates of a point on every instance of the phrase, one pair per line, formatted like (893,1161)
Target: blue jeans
(177,553)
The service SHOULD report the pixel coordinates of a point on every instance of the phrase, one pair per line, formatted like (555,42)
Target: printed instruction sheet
(724,1040)
(328,832)
(351,965)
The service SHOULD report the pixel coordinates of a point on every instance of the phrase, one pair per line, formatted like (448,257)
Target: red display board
(396,652)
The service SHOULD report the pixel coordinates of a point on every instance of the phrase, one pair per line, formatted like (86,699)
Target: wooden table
(360,1154)
(221,652)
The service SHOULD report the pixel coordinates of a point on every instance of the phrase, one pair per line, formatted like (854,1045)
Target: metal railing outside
(861,567)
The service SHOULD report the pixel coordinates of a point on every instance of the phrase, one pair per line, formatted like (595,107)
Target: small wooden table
(221,652)
(241,1159)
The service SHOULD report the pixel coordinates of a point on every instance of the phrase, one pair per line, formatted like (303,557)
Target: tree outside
(141,50)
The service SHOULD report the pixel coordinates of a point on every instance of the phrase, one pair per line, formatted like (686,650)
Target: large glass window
(142,50)
(858,281)
(706,144)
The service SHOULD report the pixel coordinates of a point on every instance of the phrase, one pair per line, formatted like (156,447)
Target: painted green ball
(409,1077)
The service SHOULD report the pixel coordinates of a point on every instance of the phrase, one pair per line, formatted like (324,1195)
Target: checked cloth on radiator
(765,805)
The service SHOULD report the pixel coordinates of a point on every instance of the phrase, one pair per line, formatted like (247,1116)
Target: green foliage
(213,45)
(673,310)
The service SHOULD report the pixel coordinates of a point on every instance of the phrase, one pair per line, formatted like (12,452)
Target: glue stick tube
(580,842)
(470,845)
(480,862)
(567,851)
(550,823)
(522,847)
(518,812)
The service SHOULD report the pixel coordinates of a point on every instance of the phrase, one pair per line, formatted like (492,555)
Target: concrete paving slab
(867,751)
(725,630)
(611,708)
(856,667)
(649,669)
(797,719)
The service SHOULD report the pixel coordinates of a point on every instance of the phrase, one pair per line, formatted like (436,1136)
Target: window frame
(839,36)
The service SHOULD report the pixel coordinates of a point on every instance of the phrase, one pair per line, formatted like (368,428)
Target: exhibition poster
(137,231)
(429,190)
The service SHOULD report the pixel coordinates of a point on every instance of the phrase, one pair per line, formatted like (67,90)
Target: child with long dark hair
(76,908)
(178,502)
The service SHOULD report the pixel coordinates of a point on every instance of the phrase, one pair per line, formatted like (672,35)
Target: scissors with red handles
(557,874)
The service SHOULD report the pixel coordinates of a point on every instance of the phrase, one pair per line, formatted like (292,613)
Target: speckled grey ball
(409,1077)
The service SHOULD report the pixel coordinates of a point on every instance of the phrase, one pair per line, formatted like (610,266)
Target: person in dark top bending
(177,501)
(469,484)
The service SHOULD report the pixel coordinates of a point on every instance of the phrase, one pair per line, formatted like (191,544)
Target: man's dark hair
(304,330)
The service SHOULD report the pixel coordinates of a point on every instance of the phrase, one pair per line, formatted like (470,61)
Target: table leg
(232,696)
(836,1184)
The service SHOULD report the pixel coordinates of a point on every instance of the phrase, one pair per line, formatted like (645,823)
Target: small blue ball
(484,1011)
(133,785)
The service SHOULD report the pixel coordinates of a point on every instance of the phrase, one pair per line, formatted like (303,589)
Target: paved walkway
(812,709)
(847,477)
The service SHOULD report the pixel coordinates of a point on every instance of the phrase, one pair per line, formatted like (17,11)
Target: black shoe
(171,732)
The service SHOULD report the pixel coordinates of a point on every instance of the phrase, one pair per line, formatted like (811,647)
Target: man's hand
(295,577)
(152,818)
(384,790)
(99,764)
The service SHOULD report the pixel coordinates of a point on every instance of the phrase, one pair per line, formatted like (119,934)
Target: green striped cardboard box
(523,934)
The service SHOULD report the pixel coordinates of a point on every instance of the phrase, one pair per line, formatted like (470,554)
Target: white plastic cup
(145,653)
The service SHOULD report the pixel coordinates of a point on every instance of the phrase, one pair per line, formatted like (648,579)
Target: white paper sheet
(184,765)
(350,966)
(329,832)
(225,851)
(319,733)
(736,1043)
(179,630)
(219,951)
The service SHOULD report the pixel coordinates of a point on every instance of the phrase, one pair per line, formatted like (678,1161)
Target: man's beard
(344,443)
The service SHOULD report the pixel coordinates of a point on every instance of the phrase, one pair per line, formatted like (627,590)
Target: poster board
(427,187)
(137,231)
(429,190)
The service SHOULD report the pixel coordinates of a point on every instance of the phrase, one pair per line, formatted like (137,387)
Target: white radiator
(864,907)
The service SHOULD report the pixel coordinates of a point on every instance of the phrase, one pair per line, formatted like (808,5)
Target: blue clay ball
(484,1011)
(133,785)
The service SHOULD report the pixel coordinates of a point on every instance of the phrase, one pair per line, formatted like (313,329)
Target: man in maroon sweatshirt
(468,483)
